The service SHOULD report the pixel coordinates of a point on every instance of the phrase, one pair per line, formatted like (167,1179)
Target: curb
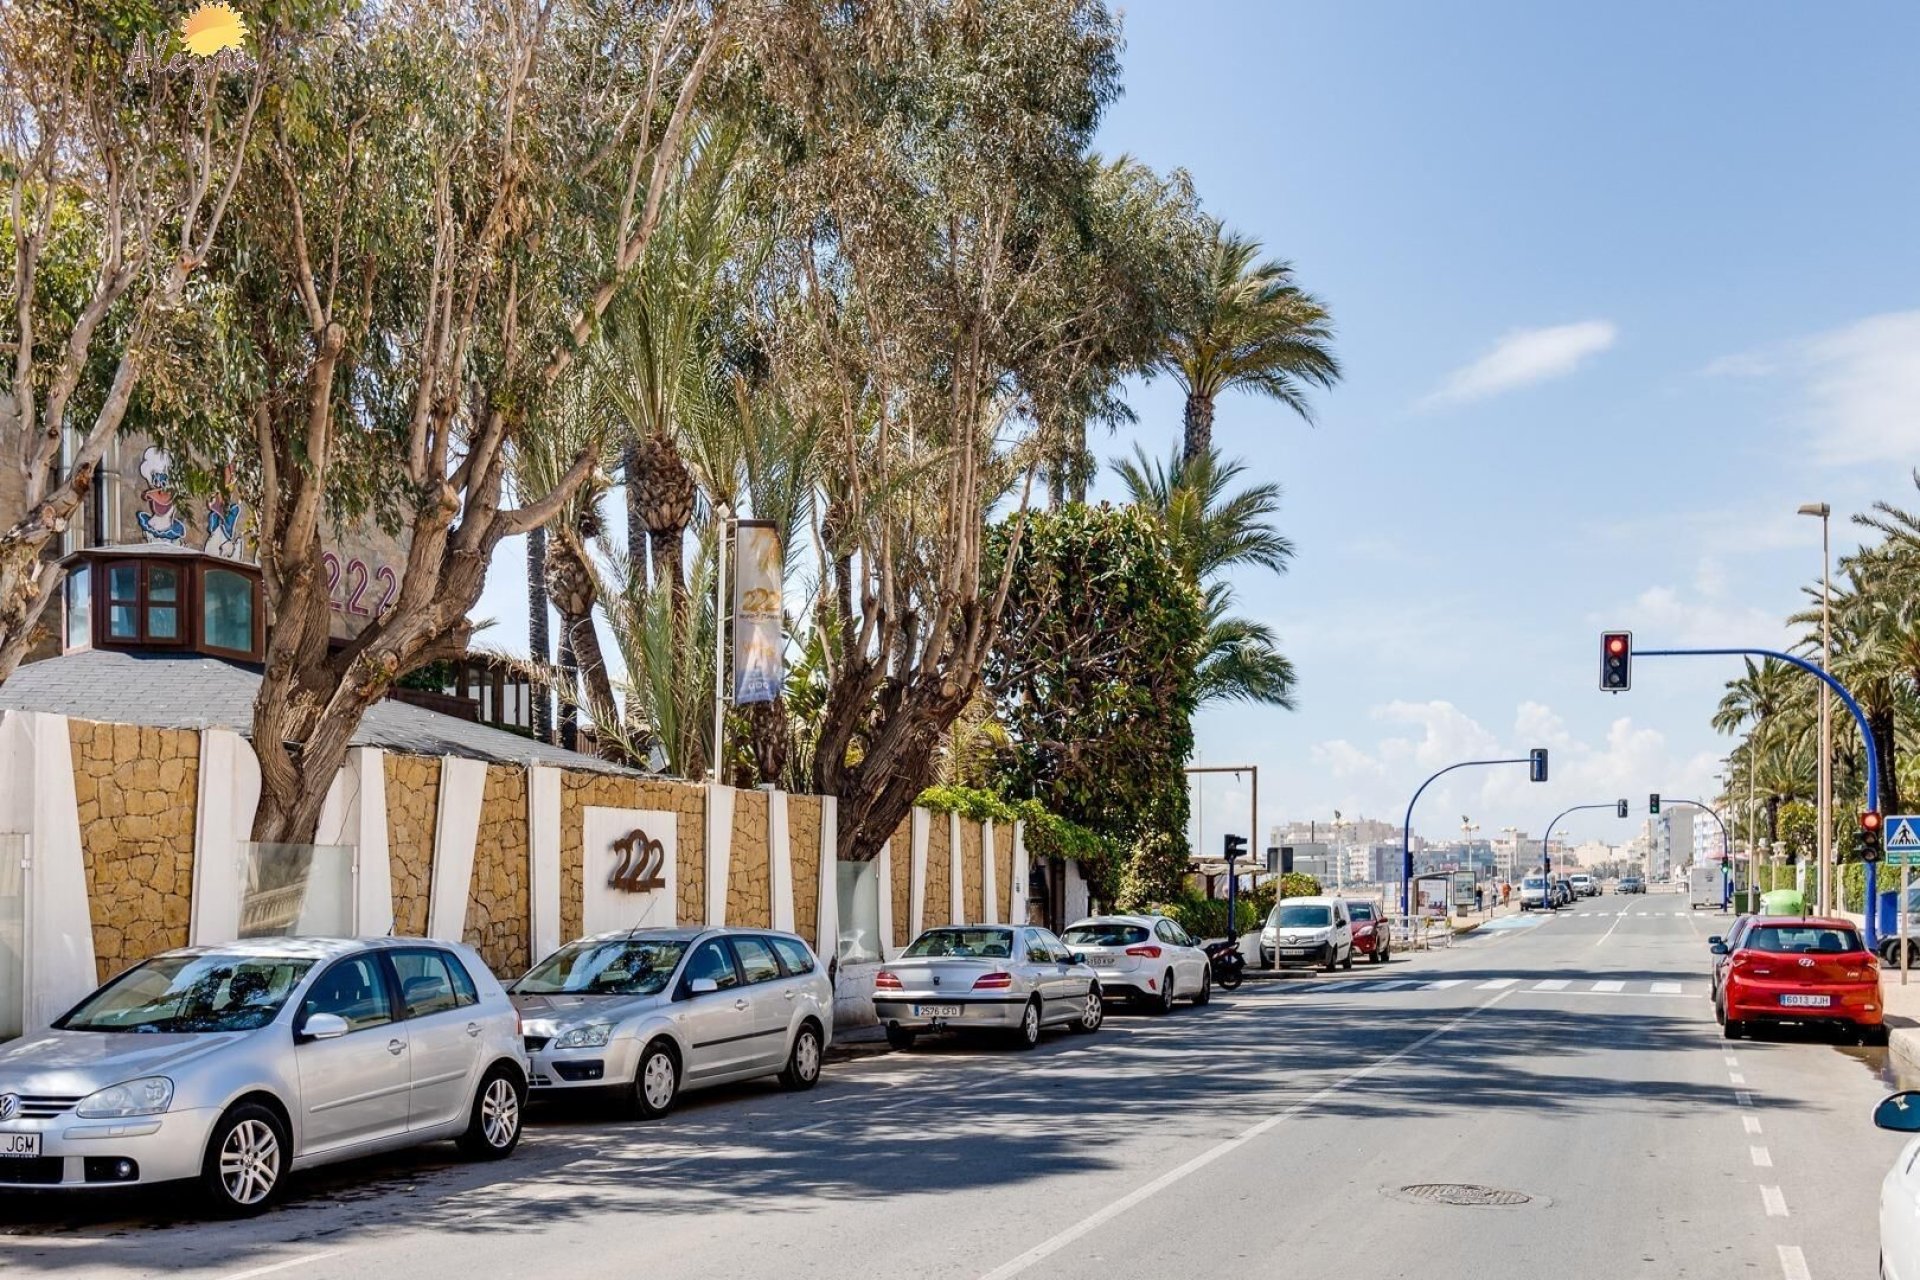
(1903,1042)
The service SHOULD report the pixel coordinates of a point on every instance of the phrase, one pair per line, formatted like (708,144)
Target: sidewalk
(1902,1006)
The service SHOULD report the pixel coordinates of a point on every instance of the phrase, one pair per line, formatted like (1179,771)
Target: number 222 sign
(640,865)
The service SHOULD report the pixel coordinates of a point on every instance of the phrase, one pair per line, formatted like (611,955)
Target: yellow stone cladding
(803,833)
(938,908)
(749,903)
(1003,866)
(970,890)
(902,859)
(413,805)
(136,789)
(498,923)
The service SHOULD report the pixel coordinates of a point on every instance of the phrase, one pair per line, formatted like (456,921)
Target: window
(992,944)
(1363,911)
(713,961)
(1056,949)
(464,993)
(79,607)
(1102,933)
(1802,940)
(1300,917)
(616,967)
(1164,931)
(426,986)
(756,959)
(163,602)
(794,956)
(195,993)
(352,989)
(227,610)
(123,601)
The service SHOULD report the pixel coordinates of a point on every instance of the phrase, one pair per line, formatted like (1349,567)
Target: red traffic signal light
(1870,824)
(1616,661)
(1870,820)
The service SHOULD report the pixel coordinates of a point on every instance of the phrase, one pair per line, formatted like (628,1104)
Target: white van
(1584,886)
(1307,932)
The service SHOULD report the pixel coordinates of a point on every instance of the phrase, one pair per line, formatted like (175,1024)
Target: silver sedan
(986,978)
(237,1063)
(644,1013)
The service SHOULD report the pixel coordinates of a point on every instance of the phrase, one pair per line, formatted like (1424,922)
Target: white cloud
(1524,357)
(1863,383)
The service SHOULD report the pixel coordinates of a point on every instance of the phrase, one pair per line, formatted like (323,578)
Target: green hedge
(1047,834)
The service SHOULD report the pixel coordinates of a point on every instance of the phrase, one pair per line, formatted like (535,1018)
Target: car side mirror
(1899,1112)
(702,987)
(1715,940)
(1078,957)
(324,1026)
(1718,947)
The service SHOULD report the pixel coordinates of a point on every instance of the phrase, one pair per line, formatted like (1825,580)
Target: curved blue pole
(1406,829)
(1866,736)
(1546,859)
(1726,849)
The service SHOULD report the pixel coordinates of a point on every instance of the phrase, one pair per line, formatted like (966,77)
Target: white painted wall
(779,861)
(916,874)
(1017,891)
(827,928)
(37,801)
(956,873)
(456,829)
(543,859)
(222,825)
(605,907)
(355,815)
(719,851)
(884,872)
(989,876)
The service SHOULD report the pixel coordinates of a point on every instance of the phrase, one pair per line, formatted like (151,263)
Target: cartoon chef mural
(161,520)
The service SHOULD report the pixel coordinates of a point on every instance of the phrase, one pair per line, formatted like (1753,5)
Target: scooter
(1226,961)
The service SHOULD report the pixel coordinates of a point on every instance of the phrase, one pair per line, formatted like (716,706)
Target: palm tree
(1211,528)
(1251,329)
(1772,698)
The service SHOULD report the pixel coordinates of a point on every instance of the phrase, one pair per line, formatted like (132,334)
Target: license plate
(1102,962)
(936,1011)
(1808,1002)
(1293,951)
(19,1145)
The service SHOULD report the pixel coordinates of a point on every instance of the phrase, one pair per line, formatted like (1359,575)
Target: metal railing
(1420,933)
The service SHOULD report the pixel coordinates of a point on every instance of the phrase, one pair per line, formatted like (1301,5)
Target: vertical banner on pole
(758,664)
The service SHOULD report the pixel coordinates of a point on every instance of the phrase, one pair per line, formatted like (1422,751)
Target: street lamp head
(1820,509)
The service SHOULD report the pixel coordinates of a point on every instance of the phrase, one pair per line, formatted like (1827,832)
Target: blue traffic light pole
(1406,829)
(1546,856)
(1872,902)
(1726,848)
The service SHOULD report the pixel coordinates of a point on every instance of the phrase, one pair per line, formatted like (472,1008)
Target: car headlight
(592,1036)
(148,1096)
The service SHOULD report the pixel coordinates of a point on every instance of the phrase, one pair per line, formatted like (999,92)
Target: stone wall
(902,859)
(803,833)
(970,890)
(938,908)
(749,902)
(499,921)
(413,805)
(136,790)
(1003,868)
(590,790)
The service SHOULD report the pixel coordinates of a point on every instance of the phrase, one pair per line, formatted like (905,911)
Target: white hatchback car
(1146,960)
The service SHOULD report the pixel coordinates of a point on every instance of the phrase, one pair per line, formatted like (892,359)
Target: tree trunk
(1884,729)
(571,584)
(1199,429)
(539,638)
(569,705)
(633,467)
(768,736)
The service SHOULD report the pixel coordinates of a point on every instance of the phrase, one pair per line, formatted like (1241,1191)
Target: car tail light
(996,981)
(1150,951)
(887,980)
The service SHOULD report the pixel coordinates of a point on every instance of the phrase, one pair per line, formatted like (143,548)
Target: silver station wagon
(986,978)
(646,1013)
(234,1064)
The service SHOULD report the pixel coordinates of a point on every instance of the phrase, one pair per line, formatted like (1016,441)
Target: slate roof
(187,691)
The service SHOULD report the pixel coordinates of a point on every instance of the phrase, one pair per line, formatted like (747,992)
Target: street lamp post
(1825,512)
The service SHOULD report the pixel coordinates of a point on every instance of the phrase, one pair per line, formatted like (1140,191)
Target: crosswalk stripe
(1340,986)
(1443,983)
(1551,984)
(1496,984)
(1391,986)
(1609,986)
(1667,989)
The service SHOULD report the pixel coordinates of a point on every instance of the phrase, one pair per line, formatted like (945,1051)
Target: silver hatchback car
(648,1012)
(986,978)
(235,1064)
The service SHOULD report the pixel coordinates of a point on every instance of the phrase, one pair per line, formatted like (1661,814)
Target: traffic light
(1653,804)
(1623,808)
(1236,847)
(1537,764)
(1616,661)
(1870,823)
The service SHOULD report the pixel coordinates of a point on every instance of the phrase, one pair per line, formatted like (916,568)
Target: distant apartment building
(1670,842)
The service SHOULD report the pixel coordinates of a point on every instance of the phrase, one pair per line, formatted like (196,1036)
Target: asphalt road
(1573,1061)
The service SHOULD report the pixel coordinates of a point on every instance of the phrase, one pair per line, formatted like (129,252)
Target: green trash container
(1783,902)
(1743,902)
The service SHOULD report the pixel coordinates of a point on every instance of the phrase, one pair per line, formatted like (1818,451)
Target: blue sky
(1618,287)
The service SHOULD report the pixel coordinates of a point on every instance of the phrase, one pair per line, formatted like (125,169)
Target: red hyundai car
(1798,969)
(1372,932)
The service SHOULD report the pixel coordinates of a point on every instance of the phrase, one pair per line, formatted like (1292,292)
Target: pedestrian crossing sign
(1903,834)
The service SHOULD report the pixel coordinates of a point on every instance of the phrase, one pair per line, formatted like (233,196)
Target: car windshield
(1104,933)
(1303,917)
(605,967)
(1361,910)
(1532,882)
(994,944)
(1802,940)
(203,993)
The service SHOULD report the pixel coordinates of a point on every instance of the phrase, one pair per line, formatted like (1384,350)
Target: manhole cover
(1462,1193)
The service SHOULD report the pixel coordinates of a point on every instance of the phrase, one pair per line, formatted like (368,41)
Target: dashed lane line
(1753,1123)
(1666,989)
(288,1264)
(1762,1158)
(1734,1077)
(1775,1202)
(1793,1263)
(1496,984)
(1612,984)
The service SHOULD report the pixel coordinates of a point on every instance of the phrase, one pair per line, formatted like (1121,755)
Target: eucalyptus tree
(1251,328)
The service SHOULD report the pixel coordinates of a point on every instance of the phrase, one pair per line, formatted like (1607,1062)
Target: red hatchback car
(1372,933)
(1798,969)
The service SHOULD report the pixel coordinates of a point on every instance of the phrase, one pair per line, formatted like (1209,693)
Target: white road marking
(1610,985)
(1732,1061)
(1496,984)
(1551,984)
(1100,1217)
(1391,986)
(1776,1202)
(1753,1123)
(1667,989)
(1793,1263)
(272,1267)
(1443,983)
(1734,1077)
(1742,1097)
(1762,1158)
(1610,928)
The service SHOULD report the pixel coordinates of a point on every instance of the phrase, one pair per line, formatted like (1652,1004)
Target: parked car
(239,1063)
(1306,932)
(1562,891)
(1534,895)
(1372,931)
(986,978)
(645,1013)
(1900,1190)
(1584,886)
(1722,957)
(1795,969)
(1631,884)
(1148,960)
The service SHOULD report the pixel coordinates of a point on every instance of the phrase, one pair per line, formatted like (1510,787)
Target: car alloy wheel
(803,1063)
(1166,993)
(246,1160)
(657,1082)
(1206,986)
(1092,1013)
(494,1129)
(1029,1033)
